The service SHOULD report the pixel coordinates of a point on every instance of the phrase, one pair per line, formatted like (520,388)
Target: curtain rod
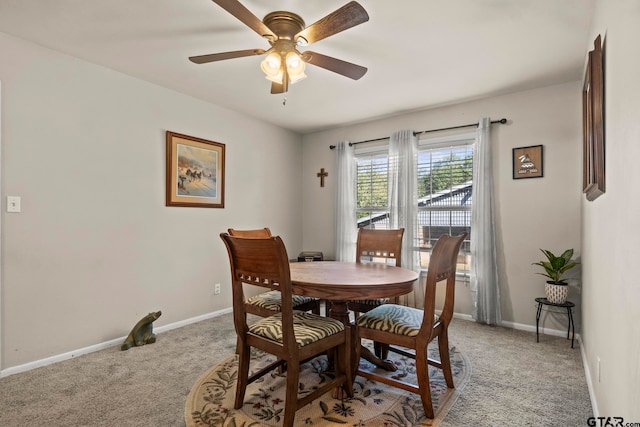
(501,121)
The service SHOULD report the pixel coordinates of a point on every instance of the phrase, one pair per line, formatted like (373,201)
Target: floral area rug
(210,401)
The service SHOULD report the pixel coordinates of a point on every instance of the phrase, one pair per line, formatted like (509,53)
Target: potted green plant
(555,267)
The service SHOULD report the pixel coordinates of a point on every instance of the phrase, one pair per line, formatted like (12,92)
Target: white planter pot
(556,294)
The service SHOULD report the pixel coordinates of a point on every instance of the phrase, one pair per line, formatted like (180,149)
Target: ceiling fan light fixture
(271,66)
(295,67)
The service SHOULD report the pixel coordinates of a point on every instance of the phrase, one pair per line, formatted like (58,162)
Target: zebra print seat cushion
(307,327)
(272,301)
(373,302)
(393,318)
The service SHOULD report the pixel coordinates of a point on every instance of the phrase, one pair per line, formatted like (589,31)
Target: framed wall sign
(527,162)
(593,178)
(195,172)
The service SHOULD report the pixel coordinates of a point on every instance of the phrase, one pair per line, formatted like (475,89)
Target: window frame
(467,139)
(425,143)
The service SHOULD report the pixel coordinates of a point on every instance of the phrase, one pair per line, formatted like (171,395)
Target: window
(445,173)
(372,207)
(444,182)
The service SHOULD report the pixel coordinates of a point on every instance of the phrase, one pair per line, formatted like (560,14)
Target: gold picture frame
(527,162)
(593,157)
(195,172)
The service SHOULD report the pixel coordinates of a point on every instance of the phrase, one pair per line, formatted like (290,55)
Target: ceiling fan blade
(236,8)
(345,68)
(349,15)
(212,57)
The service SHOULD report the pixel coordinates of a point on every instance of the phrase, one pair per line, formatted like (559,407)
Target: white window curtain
(485,291)
(403,204)
(345,203)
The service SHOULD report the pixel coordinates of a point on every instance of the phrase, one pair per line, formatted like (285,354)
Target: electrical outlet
(216,289)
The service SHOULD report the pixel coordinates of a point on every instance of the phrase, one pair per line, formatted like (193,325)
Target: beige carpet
(515,381)
(210,402)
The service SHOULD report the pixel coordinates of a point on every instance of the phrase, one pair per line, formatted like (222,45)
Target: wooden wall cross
(322,174)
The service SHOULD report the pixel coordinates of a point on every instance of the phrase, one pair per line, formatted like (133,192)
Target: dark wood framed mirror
(593,176)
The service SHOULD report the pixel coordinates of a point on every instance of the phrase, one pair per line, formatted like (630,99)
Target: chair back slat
(245,275)
(260,232)
(379,244)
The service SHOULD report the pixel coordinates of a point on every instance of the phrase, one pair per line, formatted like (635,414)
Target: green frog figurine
(142,332)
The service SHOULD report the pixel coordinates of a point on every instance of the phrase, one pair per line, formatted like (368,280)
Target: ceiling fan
(285,32)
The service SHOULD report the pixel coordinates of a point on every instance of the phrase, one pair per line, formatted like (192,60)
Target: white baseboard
(101,346)
(518,326)
(531,328)
(587,374)
(462,316)
(191,320)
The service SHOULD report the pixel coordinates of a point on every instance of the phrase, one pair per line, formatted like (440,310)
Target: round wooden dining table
(340,282)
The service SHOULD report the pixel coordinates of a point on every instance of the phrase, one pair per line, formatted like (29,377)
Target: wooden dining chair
(380,246)
(412,328)
(264,304)
(291,335)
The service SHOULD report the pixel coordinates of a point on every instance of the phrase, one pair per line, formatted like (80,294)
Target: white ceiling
(420,53)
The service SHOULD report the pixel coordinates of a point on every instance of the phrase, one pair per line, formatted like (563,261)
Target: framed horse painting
(195,172)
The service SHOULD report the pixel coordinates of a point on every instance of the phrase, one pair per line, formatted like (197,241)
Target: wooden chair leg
(291,395)
(244,356)
(357,348)
(422,372)
(377,349)
(345,353)
(445,359)
(381,350)
(385,352)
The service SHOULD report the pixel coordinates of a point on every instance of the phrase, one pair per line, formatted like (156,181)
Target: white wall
(610,223)
(95,248)
(531,213)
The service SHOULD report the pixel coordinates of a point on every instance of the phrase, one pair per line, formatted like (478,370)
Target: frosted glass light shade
(272,67)
(295,67)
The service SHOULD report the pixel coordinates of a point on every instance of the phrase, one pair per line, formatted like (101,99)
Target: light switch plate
(13,204)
